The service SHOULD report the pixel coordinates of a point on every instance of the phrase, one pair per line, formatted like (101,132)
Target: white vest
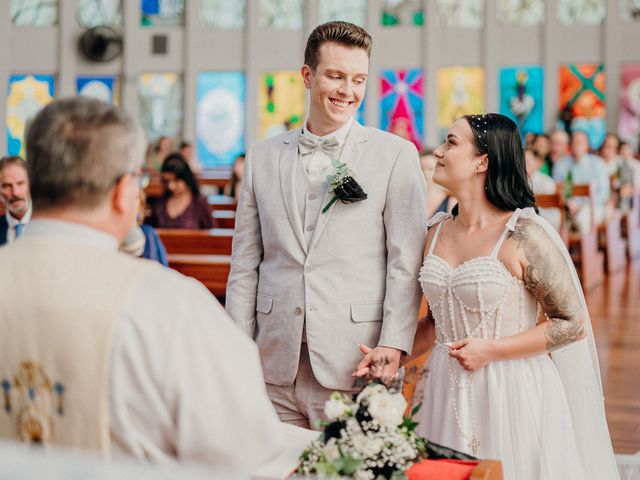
(58,303)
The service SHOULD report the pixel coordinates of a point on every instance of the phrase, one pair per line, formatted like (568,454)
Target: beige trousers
(301,404)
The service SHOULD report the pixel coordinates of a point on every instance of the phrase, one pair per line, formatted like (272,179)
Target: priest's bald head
(84,159)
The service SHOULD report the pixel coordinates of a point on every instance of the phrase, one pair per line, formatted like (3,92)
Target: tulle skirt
(516,410)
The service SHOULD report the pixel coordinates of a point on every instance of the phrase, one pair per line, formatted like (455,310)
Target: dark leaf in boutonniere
(344,186)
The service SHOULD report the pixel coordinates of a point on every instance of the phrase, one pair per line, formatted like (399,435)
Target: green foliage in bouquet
(367,437)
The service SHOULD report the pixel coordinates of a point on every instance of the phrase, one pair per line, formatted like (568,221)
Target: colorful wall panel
(402,12)
(161,13)
(522,97)
(101,88)
(27,95)
(460,92)
(402,104)
(220,120)
(281,100)
(160,104)
(582,100)
(629,120)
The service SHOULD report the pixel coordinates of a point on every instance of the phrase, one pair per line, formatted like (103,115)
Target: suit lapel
(288,165)
(351,154)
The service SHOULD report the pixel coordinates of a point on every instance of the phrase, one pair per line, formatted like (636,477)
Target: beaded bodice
(479,298)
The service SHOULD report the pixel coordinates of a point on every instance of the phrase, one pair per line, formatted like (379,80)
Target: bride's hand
(473,353)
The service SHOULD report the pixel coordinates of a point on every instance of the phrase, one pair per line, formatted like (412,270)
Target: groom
(311,285)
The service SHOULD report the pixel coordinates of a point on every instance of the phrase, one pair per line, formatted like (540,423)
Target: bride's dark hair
(507,183)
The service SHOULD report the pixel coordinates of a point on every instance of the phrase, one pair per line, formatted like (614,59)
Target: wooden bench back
(216,241)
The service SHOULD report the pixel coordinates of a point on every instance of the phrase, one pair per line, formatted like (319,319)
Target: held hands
(379,362)
(473,353)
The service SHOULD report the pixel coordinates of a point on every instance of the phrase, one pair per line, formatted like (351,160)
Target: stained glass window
(402,104)
(629,120)
(161,13)
(282,102)
(160,104)
(282,14)
(219,117)
(34,13)
(27,95)
(354,11)
(461,13)
(460,92)
(224,14)
(102,88)
(582,101)
(402,12)
(93,13)
(522,97)
(588,12)
(520,12)
(630,10)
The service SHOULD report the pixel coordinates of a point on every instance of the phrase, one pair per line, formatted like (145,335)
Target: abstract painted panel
(224,14)
(27,95)
(630,10)
(34,13)
(522,13)
(102,88)
(282,14)
(161,13)
(629,120)
(587,12)
(160,104)
(461,13)
(282,102)
(402,104)
(522,97)
(582,101)
(220,121)
(402,12)
(93,13)
(354,11)
(460,92)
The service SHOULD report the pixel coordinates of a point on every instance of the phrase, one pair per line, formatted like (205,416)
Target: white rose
(331,451)
(334,408)
(387,408)
(370,390)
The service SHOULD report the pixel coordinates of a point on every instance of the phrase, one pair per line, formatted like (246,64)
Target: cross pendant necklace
(474,444)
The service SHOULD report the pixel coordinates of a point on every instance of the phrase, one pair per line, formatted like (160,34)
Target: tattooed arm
(548,277)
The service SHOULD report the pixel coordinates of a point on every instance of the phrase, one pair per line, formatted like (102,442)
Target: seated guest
(233,188)
(186,150)
(620,172)
(108,352)
(161,150)
(181,205)
(438,199)
(143,240)
(14,194)
(626,154)
(558,149)
(584,168)
(542,145)
(542,184)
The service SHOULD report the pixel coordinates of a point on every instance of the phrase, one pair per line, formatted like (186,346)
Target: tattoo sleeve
(548,278)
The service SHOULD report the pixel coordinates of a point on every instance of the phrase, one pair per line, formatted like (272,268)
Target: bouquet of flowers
(367,437)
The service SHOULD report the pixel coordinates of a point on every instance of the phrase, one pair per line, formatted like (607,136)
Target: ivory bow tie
(330,146)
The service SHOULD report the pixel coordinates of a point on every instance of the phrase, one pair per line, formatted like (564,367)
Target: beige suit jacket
(357,279)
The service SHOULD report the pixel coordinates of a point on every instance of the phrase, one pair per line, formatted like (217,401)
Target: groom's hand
(380,362)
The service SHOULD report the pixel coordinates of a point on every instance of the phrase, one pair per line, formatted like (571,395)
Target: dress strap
(510,226)
(435,238)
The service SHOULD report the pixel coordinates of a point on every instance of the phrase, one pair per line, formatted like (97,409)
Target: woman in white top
(504,381)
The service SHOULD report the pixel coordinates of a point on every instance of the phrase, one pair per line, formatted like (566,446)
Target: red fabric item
(441,470)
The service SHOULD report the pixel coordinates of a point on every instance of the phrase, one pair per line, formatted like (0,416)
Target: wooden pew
(631,227)
(211,270)
(225,218)
(215,177)
(555,200)
(589,261)
(221,202)
(487,470)
(216,241)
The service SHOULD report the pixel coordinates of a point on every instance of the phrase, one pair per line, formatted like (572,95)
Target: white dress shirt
(318,164)
(185,383)
(13,222)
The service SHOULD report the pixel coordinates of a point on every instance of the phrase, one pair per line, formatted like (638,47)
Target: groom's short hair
(342,33)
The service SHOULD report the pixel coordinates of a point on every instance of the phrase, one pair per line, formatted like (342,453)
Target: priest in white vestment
(103,351)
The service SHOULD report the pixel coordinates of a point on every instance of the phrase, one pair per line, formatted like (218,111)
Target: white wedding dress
(515,411)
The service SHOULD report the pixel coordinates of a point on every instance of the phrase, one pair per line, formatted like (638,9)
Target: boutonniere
(343,185)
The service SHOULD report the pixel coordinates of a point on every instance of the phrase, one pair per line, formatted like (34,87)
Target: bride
(514,373)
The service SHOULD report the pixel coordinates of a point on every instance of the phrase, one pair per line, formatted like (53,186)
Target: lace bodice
(479,298)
